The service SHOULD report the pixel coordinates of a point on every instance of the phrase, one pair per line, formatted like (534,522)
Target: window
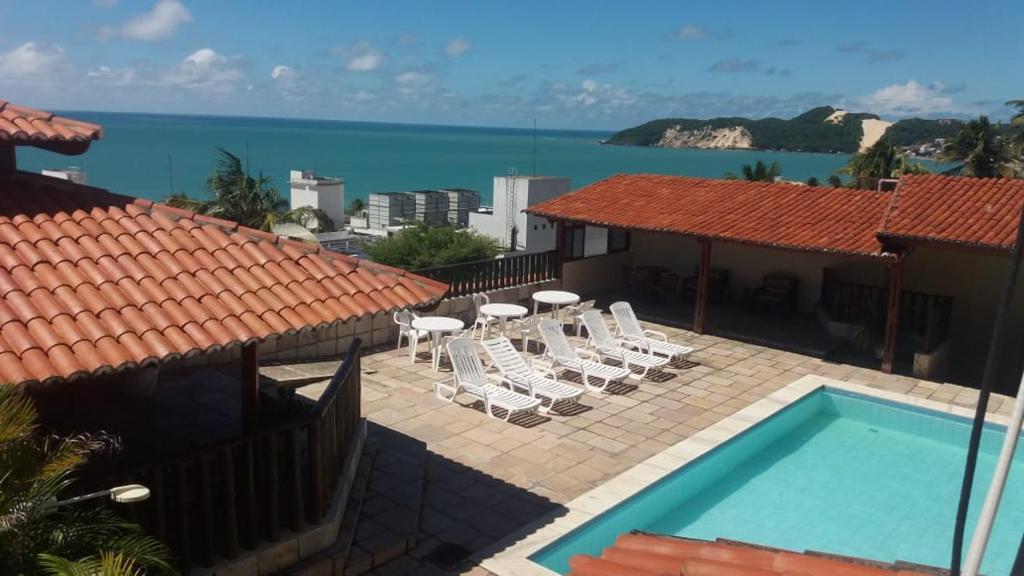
(534,226)
(572,241)
(618,240)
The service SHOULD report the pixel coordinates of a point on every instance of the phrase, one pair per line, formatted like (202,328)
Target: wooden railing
(925,316)
(209,503)
(494,274)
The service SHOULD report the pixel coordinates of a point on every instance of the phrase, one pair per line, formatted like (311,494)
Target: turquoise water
(150,155)
(835,472)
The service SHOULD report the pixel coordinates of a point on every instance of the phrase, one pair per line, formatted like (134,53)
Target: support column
(703,281)
(892,314)
(559,247)
(249,385)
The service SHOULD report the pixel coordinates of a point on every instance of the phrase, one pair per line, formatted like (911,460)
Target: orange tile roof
(779,215)
(971,212)
(647,555)
(22,125)
(93,282)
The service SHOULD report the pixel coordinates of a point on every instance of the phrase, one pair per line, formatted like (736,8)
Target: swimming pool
(835,471)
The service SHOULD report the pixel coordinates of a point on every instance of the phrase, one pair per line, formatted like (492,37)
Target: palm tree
(253,202)
(883,160)
(760,172)
(37,536)
(983,154)
(1018,120)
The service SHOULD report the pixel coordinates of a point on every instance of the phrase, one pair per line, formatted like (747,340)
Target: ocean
(151,155)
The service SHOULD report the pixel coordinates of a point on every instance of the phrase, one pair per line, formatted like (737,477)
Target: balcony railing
(210,502)
(495,274)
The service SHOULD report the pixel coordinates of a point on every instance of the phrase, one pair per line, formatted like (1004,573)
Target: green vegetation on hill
(808,132)
(918,130)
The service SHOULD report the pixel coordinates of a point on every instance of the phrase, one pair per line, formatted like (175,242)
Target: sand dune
(873,131)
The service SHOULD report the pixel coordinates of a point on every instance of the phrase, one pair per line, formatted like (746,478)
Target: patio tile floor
(486,478)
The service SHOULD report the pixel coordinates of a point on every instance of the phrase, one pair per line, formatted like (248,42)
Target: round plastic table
(556,298)
(437,326)
(503,312)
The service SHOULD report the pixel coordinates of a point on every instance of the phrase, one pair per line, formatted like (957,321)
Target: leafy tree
(1018,120)
(355,206)
(882,160)
(983,154)
(423,246)
(812,181)
(36,536)
(835,181)
(760,172)
(253,202)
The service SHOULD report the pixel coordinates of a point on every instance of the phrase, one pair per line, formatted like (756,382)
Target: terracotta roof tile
(644,554)
(780,215)
(22,125)
(971,212)
(92,282)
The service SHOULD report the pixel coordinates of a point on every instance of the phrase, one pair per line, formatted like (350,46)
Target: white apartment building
(325,193)
(72,173)
(515,230)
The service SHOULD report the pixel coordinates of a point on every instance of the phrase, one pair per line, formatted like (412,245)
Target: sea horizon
(153,155)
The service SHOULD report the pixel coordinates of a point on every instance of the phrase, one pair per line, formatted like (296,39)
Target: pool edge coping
(510,556)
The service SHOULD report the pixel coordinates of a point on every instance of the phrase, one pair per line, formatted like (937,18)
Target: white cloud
(457,47)
(692,32)
(909,99)
(282,73)
(115,76)
(593,93)
(411,83)
(33,61)
(159,23)
(205,70)
(362,57)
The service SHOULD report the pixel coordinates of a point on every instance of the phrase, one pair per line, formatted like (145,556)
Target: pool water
(834,472)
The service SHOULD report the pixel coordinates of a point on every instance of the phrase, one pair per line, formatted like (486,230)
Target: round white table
(437,326)
(503,312)
(555,298)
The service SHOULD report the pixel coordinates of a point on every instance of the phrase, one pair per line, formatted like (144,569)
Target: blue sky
(567,63)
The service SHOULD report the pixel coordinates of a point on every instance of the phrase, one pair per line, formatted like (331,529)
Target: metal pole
(991,367)
(983,530)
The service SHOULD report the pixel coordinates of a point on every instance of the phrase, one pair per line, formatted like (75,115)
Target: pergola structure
(867,225)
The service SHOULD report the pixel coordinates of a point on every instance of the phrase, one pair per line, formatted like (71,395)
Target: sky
(566,63)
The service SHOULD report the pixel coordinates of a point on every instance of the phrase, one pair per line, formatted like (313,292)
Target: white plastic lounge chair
(482,320)
(412,336)
(468,376)
(563,355)
(635,335)
(607,346)
(517,373)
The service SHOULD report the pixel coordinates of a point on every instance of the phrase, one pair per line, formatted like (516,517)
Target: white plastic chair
(412,336)
(575,312)
(482,320)
(635,335)
(607,346)
(468,376)
(563,355)
(518,373)
(526,328)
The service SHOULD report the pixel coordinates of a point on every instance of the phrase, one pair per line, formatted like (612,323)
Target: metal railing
(494,274)
(207,504)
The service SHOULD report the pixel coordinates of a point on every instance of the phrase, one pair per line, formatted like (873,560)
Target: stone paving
(485,478)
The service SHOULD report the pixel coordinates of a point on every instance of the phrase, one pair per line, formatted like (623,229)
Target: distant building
(384,209)
(71,173)
(461,202)
(508,224)
(327,194)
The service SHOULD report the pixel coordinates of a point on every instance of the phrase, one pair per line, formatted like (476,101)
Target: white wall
(528,190)
(307,189)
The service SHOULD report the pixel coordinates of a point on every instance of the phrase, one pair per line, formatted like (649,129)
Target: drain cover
(447,555)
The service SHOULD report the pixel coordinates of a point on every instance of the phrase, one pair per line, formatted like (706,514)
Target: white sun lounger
(607,346)
(517,373)
(468,375)
(636,336)
(563,355)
